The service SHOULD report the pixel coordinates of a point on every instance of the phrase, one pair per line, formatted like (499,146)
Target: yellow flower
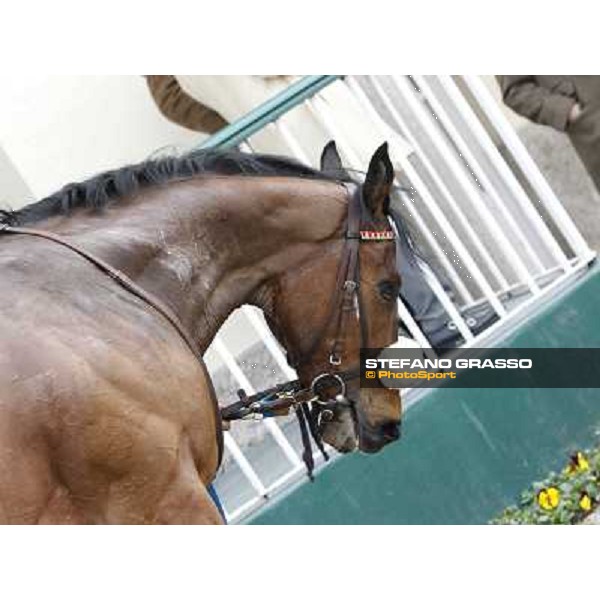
(548,498)
(582,461)
(577,463)
(585,502)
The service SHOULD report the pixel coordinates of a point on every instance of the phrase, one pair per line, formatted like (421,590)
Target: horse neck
(205,246)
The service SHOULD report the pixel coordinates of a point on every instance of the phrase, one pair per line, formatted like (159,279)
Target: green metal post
(268,112)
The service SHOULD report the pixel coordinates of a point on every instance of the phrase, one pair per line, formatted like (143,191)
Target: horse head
(324,312)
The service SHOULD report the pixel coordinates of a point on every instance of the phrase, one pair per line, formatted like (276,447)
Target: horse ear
(378,182)
(331,163)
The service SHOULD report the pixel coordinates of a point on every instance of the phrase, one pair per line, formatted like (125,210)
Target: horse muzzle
(373,439)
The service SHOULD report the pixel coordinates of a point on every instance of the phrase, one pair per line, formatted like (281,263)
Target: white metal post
(479,172)
(244,382)
(483,138)
(268,339)
(512,142)
(434,209)
(243,463)
(504,243)
(448,197)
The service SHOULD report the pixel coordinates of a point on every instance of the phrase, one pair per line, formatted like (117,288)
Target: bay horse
(107,412)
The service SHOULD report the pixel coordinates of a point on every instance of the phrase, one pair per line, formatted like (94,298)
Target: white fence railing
(497,233)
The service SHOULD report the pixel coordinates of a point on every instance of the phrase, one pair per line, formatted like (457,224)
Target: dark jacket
(548,99)
(179,107)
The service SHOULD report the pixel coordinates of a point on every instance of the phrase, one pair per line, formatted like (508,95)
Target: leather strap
(346,286)
(135,289)
(349,279)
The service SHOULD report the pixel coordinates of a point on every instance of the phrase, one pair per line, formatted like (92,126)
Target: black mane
(117,184)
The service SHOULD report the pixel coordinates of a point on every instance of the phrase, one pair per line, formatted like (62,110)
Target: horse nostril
(391,430)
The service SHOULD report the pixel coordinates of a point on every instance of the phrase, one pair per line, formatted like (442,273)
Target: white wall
(13,188)
(61,129)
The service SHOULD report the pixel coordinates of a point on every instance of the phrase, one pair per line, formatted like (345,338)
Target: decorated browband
(368,235)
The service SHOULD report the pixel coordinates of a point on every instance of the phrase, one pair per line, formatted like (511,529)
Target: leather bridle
(345,301)
(313,403)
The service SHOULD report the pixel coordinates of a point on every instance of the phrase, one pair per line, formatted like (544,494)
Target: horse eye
(388,290)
